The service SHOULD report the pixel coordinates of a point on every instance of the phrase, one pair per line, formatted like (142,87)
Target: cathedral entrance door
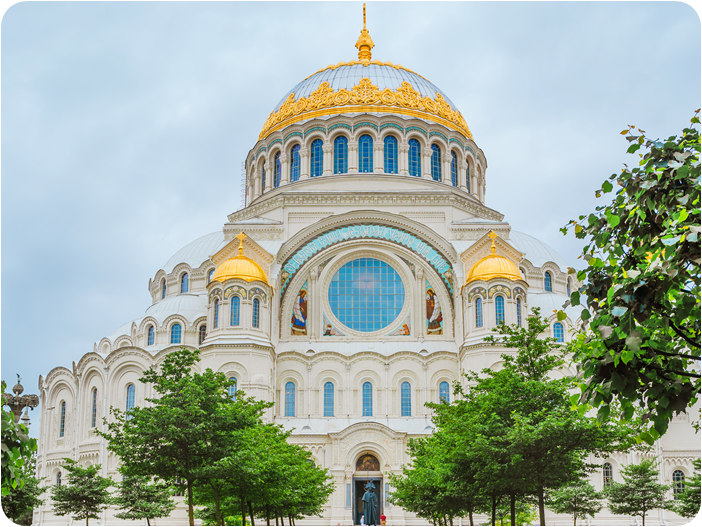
(359,489)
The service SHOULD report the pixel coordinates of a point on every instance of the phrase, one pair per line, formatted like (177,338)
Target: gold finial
(364,44)
(492,235)
(241,237)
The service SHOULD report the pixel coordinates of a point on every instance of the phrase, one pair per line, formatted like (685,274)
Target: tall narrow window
(558,332)
(454,169)
(131,392)
(176,333)
(290,399)
(163,288)
(390,151)
(478,312)
(93,412)
(568,286)
(316,158)
(184,283)
(367,399)
(468,178)
(295,163)
(58,479)
(341,155)
(548,282)
(499,310)
(256,309)
(607,474)
(62,425)
(405,399)
(150,336)
(215,322)
(435,162)
(263,177)
(678,483)
(365,154)
(276,170)
(202,334)
(329,399)
(236,309)
(519,312)
(415,158)
(209,275)
(444,395)
(232,388)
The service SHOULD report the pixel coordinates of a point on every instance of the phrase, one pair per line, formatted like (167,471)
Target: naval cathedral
(356,284)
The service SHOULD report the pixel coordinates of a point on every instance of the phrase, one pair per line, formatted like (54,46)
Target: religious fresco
(368,463)
(330,330)
(404,329)
(298,324)
(435,324)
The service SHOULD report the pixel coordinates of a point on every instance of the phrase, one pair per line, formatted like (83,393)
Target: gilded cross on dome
(364,42)
(492,236)
(241,236)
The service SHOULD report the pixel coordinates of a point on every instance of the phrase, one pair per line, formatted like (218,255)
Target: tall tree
(688,502)
(17,449)
(640,493)
(84,495)
(141,499)
(579,499)
(642,283)
(19,503)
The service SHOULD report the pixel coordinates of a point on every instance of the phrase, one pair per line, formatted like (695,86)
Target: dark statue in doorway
(370,505)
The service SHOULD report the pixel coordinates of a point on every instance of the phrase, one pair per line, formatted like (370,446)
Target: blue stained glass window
(558,332)
(367,399)
(366,294)
(468,178)
(176,333)
(256,310)
(454,169)
(435,162)
(131,391)
(390,148)
(607,474)
(478,312)
(150,341)
(276,170)
(290,399)
(499,310)
(93,413)
(295,163)
(184,283)
(163,288)
(329,399)
(216,314)
(62,426)
(365,153)
(58,476)
(316,159)
(678,483)
(236,309)
(444,394)
(263,177)
(548,284)
(406,399)
(519,312)
(232,388)
(209,275)
(341,155)
(415,158)
(202,334)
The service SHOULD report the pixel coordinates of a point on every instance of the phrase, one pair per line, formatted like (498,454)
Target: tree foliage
(579,499)
(688,502)
(142,499)
(19,503)
(642,284)
(85,493)
(17,448)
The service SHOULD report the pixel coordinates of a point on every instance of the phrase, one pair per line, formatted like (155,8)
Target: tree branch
(684,337)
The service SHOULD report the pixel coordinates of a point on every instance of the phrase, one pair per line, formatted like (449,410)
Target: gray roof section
(536,251)
(197,251)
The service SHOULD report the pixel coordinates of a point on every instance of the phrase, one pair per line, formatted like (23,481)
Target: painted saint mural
(434,317)
(299,317)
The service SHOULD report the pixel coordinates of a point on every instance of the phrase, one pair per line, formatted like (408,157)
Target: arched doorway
(367,470)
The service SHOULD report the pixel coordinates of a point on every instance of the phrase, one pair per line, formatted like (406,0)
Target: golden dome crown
(239,267)
(493,266)
(364,44)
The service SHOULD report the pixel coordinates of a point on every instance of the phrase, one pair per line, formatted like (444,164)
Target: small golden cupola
(493,266)
(239,267)
(364,44)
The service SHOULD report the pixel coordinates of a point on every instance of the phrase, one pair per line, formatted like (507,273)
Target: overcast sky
(124,126)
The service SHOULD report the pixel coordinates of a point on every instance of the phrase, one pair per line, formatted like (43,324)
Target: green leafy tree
(687,503)
(640,493)
(17,449)
(143,500)
(580,500)
(84,495)
(20,502)
(642,284)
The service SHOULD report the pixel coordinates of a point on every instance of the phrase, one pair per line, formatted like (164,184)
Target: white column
(446,167)
(353,156)
(304,163)
(462,167)
(378,157)
(284,170)
(426,163)
(403,161)
(328,164)
(270,174)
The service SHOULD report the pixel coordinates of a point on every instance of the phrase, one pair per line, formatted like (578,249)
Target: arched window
(548,282)
(558,332)
(415,158)
(607,474)
(367,399)
(176,333)
(276,170)
(678,483)
(150,336)
(202,334)
(184,283)
(295,163)
(58,479)
(568,286)
(316,158)
(256,309)
(468,178)
(209,275)
(329,399)
(215,321)
(444,395)
(519,312)
(62,425)
(232,388)
(93,411)
(263,177)
(435,162)
(405,399)
(478,312)
(236,309)
(290,399)
(341,155)
(454,169)
(365,154)
(499,310)
(131,391)
(390,151)
(163,288)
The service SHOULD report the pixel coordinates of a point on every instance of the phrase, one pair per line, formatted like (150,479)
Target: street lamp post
(19,402)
